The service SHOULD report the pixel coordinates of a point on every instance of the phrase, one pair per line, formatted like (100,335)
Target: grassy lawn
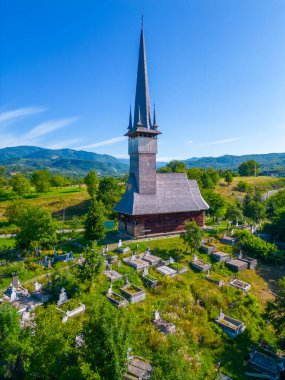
(230,193)
(73,200)
(7,243)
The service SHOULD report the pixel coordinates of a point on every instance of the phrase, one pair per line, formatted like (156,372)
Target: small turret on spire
(139,123)
(154,126)
(130,120)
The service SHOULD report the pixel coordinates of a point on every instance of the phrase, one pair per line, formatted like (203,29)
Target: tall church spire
(130,120)
(142,102)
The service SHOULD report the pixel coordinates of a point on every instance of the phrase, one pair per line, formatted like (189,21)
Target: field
(230,193)
(67,202)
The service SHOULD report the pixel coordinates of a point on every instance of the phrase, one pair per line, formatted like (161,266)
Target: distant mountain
(267,162)
(77,163)
(65,161)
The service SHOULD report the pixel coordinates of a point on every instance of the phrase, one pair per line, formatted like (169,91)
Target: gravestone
(62,297)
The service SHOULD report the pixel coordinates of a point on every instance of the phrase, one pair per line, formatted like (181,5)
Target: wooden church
(154,203)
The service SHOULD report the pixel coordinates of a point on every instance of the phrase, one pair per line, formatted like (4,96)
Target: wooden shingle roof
(174,193)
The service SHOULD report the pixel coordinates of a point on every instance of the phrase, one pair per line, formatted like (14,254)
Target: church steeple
(130,120)
(142,102)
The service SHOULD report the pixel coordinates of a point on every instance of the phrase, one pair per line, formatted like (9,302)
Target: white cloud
(64,144)
(103,143)
(20,112)
(121,155)
(48,127)
(218,142)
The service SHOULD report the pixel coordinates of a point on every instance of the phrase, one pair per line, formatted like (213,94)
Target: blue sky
(216,74)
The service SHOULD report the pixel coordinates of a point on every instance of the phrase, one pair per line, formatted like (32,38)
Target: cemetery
(231,326)
(164,326)
(208,247)
(220,256)
(237,265)
(166,271)
(161,263)
(200,265)
(228,240)
(149,280)
(138,368)
(133,293)
(136,263)
(113,275)
(115,298)
(244,286)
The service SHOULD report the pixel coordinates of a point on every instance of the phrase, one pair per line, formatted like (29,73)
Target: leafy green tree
(228,176)
(243,187)
(59,280)
(41,180)
(92,265)
(109,192)
(276,311)
(10,342)
(36,228)
(275,203)
(234,213)
(15,211)
(57,180)
(92,183)
(195,173)
(107,336)
(216,202)
(54,353)
(214,175)
(170,364)
(193,235)
(176,166)
(20,184)
(94,223)
(248,168)
(207,182)
(277,227)
(256,247)
(253,209)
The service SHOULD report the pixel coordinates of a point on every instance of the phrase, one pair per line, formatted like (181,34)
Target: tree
(253,209)
(36,228)
(94,223)
(195,173)
(256,247)
(92,265)
(92,183)
(277,228)
(228,176)
(41,180)
(20,184)
(107,337)
(276,311)
(206,181)
(234,213)
(57,180)
(243,187)
(109,192)
(176,166)
(15,211)
(217,203)
(54,353)
(192,236)
(10,344)
(248,168)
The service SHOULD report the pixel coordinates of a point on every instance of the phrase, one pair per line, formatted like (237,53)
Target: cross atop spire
(142,93)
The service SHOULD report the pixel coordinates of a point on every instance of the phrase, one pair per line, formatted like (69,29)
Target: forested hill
(270,161)
(69,162)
